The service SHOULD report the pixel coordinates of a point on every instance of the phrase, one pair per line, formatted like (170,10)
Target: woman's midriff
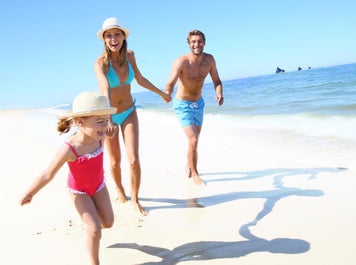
(121,98)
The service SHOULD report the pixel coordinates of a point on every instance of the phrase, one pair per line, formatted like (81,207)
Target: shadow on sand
(207,250)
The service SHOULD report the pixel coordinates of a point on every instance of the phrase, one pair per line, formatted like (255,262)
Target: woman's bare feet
(198,181)
(137,207)
(121,197)
(188,172)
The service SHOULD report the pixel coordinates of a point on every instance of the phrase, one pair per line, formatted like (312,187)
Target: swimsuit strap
(112,77)
(72,148)
(75,152)
(131,74)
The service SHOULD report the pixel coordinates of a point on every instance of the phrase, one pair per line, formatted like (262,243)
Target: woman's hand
(166,97)
(112,129)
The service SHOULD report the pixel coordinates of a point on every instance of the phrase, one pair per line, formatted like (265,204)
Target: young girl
(83,153)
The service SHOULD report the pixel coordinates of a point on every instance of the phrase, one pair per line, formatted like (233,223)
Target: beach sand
(270,199)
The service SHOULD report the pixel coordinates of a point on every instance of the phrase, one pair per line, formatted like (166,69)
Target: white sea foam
(343,127)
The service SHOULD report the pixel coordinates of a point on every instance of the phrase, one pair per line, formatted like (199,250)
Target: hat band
(89,109)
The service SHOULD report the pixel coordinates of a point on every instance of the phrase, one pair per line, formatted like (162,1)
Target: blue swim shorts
(189,112)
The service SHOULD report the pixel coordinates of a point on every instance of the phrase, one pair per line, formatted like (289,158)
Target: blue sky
(48,47)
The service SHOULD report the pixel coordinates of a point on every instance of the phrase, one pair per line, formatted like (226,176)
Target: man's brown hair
(194,33)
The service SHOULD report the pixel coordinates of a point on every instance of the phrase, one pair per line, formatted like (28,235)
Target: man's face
(196,44)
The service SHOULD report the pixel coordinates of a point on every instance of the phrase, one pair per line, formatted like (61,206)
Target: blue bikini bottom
(119,118)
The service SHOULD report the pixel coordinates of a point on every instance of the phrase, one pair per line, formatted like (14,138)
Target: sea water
(312,102)
(318,103)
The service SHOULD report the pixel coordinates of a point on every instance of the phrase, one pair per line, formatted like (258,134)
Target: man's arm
(217,82)
(173,77)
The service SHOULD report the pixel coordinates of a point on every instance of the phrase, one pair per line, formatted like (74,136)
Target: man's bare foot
(137,207)
(198,181)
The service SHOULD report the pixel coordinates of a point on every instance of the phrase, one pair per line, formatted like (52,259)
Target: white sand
(269,199)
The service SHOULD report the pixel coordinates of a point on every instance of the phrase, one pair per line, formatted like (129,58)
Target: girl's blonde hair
(64,124)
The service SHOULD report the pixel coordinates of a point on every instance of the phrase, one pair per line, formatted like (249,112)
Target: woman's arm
(144,82)
(104,86)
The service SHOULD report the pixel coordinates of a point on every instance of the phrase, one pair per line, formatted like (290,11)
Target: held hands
(166,97)
(219,99)
(112,129)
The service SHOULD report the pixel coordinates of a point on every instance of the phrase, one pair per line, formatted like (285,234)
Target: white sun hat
(90,103)
(109,23)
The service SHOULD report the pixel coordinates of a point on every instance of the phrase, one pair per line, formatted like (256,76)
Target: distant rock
(279,70)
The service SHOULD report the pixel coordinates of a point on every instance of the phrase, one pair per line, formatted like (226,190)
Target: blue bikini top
(114,80)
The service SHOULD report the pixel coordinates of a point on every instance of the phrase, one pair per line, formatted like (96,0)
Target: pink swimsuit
(86,173)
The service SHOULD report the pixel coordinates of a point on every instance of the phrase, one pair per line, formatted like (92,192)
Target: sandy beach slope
(269,199)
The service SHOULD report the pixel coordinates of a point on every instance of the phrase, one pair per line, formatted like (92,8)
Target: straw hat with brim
(111,23)
(90,104)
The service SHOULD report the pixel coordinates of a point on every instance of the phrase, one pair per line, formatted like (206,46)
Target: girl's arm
(47,175)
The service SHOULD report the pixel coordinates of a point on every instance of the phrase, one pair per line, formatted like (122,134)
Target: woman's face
(113,39)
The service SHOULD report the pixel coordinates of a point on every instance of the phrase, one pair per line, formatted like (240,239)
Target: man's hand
(220,99)
(166,97)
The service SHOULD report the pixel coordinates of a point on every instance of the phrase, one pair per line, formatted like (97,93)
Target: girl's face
(113,39)
(95,126)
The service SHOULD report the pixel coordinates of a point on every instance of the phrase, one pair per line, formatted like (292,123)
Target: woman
(115,69)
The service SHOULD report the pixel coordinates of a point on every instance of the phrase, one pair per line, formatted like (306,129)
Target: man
(191,70)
